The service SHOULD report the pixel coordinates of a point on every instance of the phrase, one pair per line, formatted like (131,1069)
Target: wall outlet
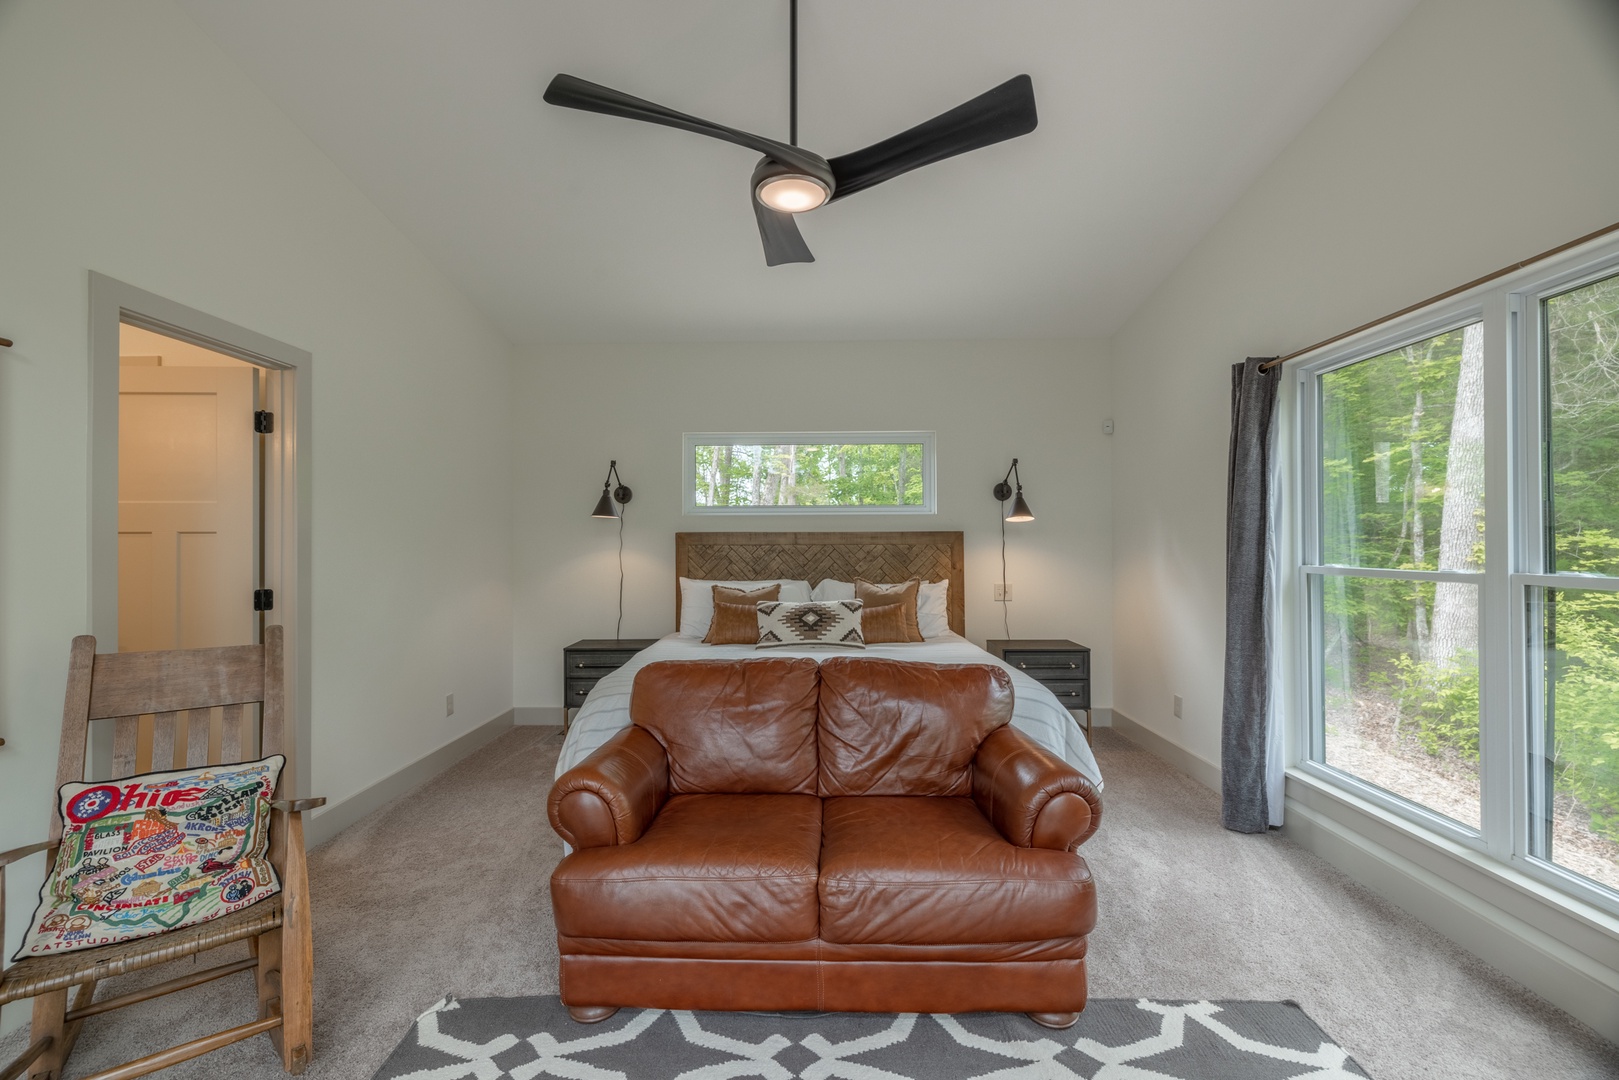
(1107,426)
(1003,593)
(1178,704)
(449,705)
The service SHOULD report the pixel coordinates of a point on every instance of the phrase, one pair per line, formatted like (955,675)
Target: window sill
(1590,929)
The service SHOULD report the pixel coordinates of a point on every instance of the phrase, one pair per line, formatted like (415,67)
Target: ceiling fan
(790,180)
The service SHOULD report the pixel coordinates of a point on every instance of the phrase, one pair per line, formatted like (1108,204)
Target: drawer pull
(1023,665)
(578,665)
(1073,665)
(580,693)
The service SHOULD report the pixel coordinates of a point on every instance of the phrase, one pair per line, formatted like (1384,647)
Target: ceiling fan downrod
(792,90)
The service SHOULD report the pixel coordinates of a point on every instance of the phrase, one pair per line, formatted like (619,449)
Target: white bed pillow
(697,600)
(933,609)
(932,603)
(831,590)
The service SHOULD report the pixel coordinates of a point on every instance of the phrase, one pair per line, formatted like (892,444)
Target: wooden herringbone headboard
(815,556)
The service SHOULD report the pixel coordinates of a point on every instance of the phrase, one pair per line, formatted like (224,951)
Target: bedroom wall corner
(1464,143)
(1041,401)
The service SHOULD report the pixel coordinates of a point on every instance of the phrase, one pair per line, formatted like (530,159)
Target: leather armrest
(613,795)
(1032,796)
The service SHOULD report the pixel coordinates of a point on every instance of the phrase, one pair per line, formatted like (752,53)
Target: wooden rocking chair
(122,688)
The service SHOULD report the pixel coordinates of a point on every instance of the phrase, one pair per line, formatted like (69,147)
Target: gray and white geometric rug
(1115,1039)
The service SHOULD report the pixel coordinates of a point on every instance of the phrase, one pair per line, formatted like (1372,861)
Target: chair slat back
(138,683)
(173,709)
(198,724)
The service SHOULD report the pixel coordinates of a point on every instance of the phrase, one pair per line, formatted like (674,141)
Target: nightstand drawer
(593,665)
(1043,665)
(1073,695)
(577,691)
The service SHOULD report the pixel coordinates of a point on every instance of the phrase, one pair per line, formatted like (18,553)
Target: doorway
(190,525)
(200,490)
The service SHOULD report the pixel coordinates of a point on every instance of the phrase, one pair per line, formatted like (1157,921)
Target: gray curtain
(1246,755)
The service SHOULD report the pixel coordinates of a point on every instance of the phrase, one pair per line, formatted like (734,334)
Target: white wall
(133,147)
(1042,402)
(1481,132)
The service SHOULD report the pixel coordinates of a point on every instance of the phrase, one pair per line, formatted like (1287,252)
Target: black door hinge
(263,599)
(264,422)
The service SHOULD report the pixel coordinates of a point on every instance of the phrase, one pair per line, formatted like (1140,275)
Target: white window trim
(1509,308)
(688,469)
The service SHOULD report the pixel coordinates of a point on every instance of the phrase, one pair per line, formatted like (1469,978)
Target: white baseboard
(537,715)
(1564,951)
(332,819)
(1170,752)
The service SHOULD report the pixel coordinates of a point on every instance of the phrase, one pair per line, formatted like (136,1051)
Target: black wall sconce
(604,505)
(1003,491)
(604,509)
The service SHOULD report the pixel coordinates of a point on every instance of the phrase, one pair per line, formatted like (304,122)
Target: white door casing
(286,389)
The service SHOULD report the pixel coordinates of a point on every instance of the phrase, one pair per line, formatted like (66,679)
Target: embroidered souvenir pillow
(788,625)
(154,852)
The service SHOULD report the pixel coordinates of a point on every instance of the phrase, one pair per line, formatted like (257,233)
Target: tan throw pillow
(902,596)
(882,625)
(736,616)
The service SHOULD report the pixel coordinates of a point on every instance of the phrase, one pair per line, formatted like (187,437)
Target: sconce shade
(604,505)
(1004,491)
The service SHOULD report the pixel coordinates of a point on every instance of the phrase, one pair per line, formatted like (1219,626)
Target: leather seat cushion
(934,871)
(709,868)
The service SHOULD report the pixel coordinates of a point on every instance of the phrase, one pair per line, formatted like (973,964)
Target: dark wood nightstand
(1060,665)
(585,662)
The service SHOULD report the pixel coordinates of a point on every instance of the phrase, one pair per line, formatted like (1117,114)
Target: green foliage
(862,474)
(1385,433)
(1582,698)
(1582,384)
(1443,702)
(1386,425)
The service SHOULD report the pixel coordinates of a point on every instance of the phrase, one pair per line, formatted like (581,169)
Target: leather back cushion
(894,728)
(732,726)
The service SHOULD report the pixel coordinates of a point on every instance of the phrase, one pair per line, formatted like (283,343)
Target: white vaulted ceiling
(567,226)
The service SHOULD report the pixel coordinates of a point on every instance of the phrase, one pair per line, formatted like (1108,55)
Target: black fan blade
(995,116)
(573,93)
(779,233)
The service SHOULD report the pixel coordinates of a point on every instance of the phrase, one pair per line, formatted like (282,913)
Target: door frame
(286,391)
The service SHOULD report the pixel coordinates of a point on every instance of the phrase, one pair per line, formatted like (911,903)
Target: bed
(813,557)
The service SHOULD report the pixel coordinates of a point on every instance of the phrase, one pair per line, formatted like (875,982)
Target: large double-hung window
(1456,630)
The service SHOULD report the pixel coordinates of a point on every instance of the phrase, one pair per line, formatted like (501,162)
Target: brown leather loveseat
(860,834)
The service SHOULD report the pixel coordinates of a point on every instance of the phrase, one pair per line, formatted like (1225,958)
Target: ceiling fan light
(792,193)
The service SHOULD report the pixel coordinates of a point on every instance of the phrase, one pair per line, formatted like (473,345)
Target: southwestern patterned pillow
(834,623)
(155,852)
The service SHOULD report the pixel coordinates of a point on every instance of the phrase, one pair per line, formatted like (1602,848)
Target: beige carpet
(445,892)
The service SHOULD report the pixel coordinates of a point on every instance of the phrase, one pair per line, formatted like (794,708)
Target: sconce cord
(1006,615)
(618,630)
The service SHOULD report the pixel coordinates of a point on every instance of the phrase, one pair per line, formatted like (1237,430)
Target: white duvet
(1035,711)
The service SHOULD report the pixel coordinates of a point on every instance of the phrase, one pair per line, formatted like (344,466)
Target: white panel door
(188,549)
